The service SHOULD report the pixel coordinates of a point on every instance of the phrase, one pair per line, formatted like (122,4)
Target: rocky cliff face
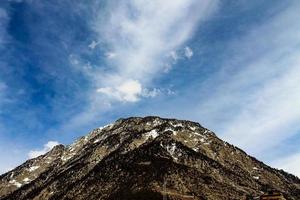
(146,158)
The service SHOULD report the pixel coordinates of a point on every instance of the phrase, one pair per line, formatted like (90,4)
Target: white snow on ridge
(193,128)
(169,129)
(153,133)
(156,122)
(196,149)
(86,139)
(33,168)
(65,158)
(106,126)
(15,183)
(171,150)
(26,180)
(96,141)
(176,125)
(196,133)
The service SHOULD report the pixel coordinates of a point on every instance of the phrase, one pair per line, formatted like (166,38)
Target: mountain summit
(146,158)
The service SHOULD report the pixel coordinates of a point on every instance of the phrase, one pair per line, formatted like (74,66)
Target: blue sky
(67,67)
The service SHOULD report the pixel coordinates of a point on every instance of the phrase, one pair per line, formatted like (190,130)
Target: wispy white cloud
(128,91)
(188,52)
(110,55)
(47,147)
(93,44)
(254,98)
(174,55)
(137,37)
(154,92)
(142,35)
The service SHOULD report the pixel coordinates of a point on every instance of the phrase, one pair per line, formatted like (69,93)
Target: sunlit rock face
(146,158)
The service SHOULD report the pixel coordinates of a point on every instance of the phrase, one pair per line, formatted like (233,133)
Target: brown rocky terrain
(146,158)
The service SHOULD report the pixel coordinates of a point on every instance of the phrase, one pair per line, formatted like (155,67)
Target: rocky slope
(146,158)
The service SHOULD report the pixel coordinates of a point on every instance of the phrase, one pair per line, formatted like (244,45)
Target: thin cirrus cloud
(254,99)
(137,37)
(141,37)
(188,52)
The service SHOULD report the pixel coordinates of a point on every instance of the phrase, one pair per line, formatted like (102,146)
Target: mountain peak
(146,157)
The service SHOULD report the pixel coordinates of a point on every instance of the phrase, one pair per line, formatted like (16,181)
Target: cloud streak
(254,98)
(137,38)
(129,91)
(141,36)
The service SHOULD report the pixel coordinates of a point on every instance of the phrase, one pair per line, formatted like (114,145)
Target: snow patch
(106,126)
(65,158)
(33,168)
(169,129)
(148,124)
(26,180)
(15,183)
(72,149)
(176,125)
(196,133)
(96,141)
(153,133)
(196,149)
(156,122)
(171,150)
(193,128)
(86,138)
(256,177)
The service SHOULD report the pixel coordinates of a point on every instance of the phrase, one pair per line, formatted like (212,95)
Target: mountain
(146,158)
